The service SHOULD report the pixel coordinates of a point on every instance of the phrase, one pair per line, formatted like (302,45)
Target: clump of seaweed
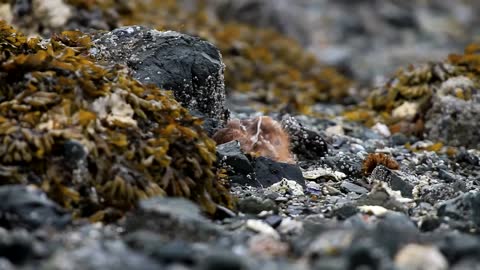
(260,136)
(375,159)
(403,101)
(92,137)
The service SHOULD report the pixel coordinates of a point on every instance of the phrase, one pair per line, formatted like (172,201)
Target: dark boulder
(269,172)
(189,66)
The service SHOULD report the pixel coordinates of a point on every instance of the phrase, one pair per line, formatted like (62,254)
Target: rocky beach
(239,134)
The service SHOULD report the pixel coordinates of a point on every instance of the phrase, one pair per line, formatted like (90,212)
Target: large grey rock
(239,167)
(108,255)
(173,219)
(462,212)
(25,207)
(189,66)
(396,179)
(454,121)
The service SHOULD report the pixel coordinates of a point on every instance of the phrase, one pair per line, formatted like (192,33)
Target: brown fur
(260,136)
(375,159)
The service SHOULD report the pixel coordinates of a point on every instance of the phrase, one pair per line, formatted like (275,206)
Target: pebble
(262,228)
(418,257)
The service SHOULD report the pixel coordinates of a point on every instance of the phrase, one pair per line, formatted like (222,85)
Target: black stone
(107,254)
(239,168)
(306,144)
(173,219)
(395,179)
(274,220)
(255,205)
(226,261)
(351,187)
(24,207)
(463,212)
(19,247)
(74,153)
(345,211)
(269,172)
(165,252)
(189,66)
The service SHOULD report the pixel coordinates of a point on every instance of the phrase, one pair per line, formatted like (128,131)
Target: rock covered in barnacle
(124,141)
(189,66)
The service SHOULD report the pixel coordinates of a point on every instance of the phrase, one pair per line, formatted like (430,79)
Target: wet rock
(306,144)
(365,253)
(223,261)
(462,212)
(108,255)
(189,66)
(323,174)
(164,252)
(399,139)
(255,205)
(274,220)
(265,246)
(27,207)
(330,243)
(350,165)
(287,187)
(210,125)
(382,195)
(238,166)
(466,265)
(454,121)
(290,227)
(345,211)
(261,227)
(6,265)
(19,247)
(75,154)
(457,247)
(397,180)
(419,257)
(351,187)
(172,218)
(330,263)
(269,172)
(435,193)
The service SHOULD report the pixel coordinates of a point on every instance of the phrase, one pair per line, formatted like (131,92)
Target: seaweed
(91,136)
(404,100)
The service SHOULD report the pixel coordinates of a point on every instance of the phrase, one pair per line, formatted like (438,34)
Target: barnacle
(92,137)
(375,159)
(260,136)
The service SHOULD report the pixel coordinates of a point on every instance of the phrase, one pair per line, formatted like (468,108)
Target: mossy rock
(91,136)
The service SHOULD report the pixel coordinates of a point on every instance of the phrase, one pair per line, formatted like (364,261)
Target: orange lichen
(260,136)
(375,159)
